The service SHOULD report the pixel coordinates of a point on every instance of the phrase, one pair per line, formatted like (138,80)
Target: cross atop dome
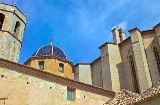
(51,41)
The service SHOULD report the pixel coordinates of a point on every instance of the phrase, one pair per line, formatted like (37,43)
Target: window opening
(61,67)
(157,58)
(41,65)
(70,94)
(133,72)
(2,16)
(16,29)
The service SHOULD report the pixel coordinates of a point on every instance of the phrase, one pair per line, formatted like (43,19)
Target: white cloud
(93,15)
(122,25)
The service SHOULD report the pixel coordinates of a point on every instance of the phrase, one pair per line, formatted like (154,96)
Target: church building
(126,73)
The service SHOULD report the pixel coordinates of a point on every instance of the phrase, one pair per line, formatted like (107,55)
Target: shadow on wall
(121,73)
(151,58)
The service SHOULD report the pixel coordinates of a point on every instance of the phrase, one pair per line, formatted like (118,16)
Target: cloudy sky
(79,27)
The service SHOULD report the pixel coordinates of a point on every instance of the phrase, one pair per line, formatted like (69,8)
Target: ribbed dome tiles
(50,50)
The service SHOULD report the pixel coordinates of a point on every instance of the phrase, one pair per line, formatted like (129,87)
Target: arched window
(120,35)
(16,29)
(2,16)
(133,73)
(157,57)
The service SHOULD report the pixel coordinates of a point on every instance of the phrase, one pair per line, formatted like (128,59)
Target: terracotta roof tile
(126,97)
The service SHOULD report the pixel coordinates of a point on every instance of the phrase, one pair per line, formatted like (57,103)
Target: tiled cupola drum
(52,59)
(12,25)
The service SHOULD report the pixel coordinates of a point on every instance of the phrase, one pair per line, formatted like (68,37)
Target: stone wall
(23,89)
(76,74)
(150,42)
(10,47)
(96,68)
(126,50)
(10,44)
(111,67)
(84,73)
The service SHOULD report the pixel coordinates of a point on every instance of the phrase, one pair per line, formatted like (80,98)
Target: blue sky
(79,27)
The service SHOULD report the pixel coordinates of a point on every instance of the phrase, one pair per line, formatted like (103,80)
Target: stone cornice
(96,60)
(107,43)
(82,64)
(134,30)
(13,6)
(156,25)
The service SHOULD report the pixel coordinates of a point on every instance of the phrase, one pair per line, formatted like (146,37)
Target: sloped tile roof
(126,97)
(149,93)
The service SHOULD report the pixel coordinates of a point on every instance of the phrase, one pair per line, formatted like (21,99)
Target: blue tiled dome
(50,50)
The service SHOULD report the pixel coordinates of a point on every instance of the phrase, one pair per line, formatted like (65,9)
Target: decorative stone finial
(14,4)
(51,41)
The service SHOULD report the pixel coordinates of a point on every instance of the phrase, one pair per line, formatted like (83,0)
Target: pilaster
(143,74)
(110,58)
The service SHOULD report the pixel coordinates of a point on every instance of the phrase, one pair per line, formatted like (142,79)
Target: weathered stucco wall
(96,68)
(85,73)
(22,89)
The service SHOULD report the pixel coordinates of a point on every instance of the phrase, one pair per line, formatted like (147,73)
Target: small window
(2,16)
(41,65)
(70,94)
(61,67)
(16,29)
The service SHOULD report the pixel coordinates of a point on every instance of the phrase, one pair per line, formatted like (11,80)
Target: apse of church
(126,63)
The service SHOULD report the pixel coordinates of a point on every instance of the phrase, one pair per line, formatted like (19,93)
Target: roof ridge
(38,50)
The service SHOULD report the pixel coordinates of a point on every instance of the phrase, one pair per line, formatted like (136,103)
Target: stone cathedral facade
(126,73)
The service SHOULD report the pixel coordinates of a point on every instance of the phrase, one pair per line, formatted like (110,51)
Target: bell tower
(118,35)
(12,25)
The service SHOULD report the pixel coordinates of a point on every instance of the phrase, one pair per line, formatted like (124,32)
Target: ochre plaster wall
(22,89)
(51,65)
